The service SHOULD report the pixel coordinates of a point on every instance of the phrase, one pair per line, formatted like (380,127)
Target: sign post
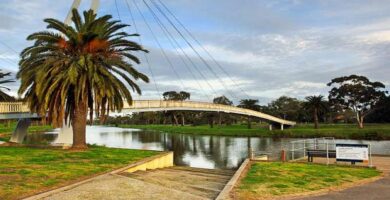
(353,153)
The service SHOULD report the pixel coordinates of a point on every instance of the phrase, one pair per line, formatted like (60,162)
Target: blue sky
(269,48)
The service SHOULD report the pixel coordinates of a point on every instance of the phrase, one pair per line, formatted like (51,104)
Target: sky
(263,49)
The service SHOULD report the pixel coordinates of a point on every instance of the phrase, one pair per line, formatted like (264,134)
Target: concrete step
(205,183)
(176,185)
(187,178)
(211,177)
(226,172)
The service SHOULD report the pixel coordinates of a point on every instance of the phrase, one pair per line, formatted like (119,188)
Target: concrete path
(377,190)
(174,183)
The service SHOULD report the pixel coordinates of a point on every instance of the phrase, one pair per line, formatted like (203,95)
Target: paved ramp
(173,183)
(202,183)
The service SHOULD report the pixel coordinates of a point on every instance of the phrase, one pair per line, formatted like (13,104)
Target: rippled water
(193,150)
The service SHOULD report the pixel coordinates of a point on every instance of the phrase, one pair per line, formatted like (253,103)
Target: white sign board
(352,152)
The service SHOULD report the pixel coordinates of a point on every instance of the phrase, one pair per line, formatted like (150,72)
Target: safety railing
(150,104)
(299,148)
(13,107)
(17,107)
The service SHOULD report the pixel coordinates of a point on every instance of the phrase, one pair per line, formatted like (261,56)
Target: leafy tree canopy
(176,96)
(252,104)
(222,100)
(357,93)
(286,107)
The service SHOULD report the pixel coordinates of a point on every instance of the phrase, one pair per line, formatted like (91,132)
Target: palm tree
(251,104)
(3,95)
(71,69)
(315,104)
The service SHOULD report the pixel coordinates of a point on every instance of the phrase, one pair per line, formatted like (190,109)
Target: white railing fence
(298,148)
(13,107)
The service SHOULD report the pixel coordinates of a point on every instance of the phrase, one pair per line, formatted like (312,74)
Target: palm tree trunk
(249,122)
(79,123)
(315,116)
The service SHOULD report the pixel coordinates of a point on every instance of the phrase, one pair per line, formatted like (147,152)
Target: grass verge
(271,179)
(342,131)
(26,171)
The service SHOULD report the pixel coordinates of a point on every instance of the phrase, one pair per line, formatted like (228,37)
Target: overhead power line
(204,49)
(196,52)
(144,53)
(159,45)
(174,43)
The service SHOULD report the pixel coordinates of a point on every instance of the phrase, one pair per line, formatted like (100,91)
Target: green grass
(343,131)
(25,171)
(6,129)
(267,179)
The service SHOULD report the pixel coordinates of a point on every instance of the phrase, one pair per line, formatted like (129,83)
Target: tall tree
(4,96)
(252,104)
(286,108)
(70,69)
(224,101)
(357,93)
(177,96)
(315,104)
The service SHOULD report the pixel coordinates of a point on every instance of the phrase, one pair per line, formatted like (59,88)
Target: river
(194,150)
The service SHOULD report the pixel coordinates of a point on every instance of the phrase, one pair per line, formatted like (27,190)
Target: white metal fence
(299,148)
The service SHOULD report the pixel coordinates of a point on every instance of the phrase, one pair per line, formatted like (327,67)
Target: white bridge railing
(13,107)
(160,105)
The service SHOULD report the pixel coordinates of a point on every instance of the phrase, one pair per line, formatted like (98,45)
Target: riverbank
(270,180)
(341,131)
(25,171)
(7,129)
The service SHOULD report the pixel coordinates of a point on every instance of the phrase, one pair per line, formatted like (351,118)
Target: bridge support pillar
(270,127)
(281,127)
(65,136)
(20,131)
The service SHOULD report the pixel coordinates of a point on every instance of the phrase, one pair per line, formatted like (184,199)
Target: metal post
(370,157)
(292,151)
(250,153)
(327,153)
(304,148)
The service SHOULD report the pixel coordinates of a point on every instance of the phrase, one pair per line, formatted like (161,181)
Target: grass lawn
(343,131)
(25,171)
(270,179)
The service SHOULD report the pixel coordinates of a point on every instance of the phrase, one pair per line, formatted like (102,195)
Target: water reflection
(192,150)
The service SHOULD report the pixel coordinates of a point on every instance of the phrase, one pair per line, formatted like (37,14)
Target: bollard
(283,155)
(250,153)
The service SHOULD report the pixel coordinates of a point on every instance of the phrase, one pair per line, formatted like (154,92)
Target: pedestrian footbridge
(18,110)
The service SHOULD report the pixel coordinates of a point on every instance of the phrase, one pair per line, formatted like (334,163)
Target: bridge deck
(160,105)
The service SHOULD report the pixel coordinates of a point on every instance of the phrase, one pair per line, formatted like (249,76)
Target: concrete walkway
(377,190)
(174,183)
